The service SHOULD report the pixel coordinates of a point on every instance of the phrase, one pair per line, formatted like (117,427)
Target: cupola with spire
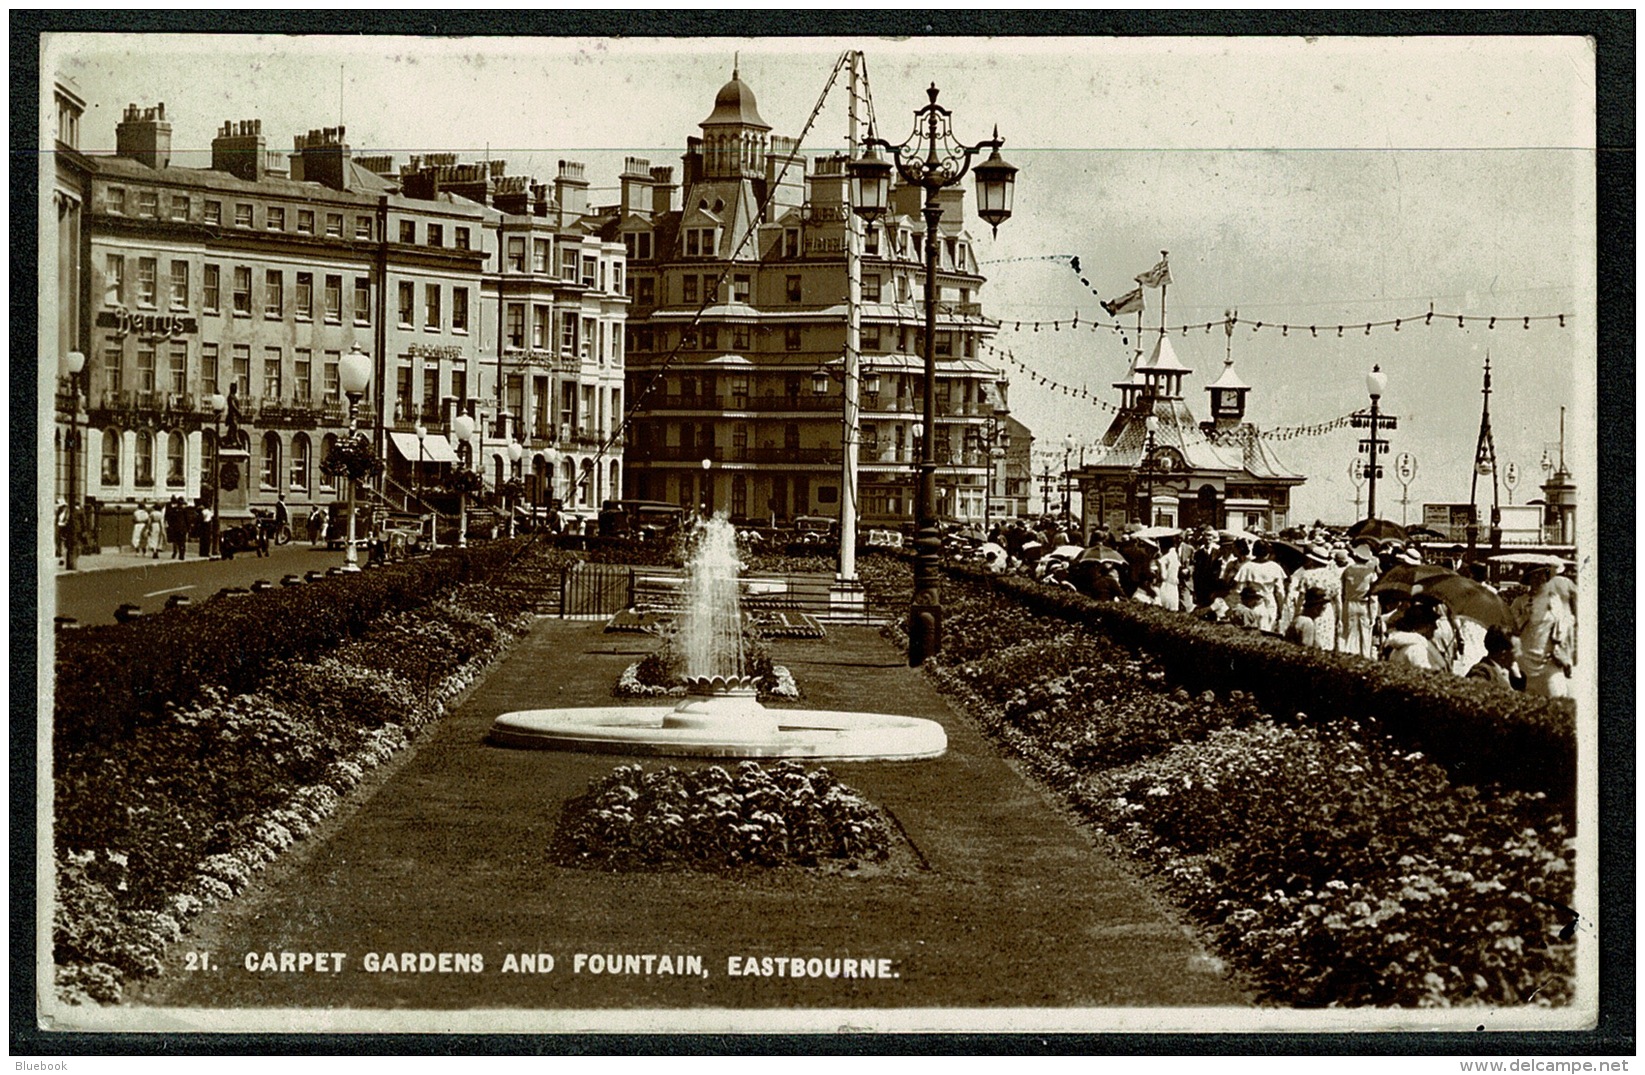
(1227,391)
(734,135)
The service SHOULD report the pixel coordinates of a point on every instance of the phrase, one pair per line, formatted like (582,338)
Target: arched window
(568,471)
(542,480)
(615,489)
(145,459)
(270,480)
(496,472)
(208,457)
(585,486)
(111,458)
(174,460)
(299,463)
(328,483)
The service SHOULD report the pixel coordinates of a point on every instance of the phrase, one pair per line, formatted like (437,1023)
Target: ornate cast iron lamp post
(930,159)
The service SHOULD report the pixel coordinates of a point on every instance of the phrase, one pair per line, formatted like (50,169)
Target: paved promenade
(993,899)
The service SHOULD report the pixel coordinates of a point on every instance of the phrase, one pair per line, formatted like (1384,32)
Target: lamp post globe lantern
(70,365)
(353,375)
(462,428)
(996,187)
(870,185)
(708,488)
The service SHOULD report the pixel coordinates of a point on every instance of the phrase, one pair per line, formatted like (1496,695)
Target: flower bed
(662,673)
(1327,861)
(181,811)
(709,819)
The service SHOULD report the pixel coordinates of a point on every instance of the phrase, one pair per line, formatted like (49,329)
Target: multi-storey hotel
(740,301)
(251,280)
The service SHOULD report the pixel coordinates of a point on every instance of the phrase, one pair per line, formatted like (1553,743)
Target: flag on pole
(1158,276)
(1127,303)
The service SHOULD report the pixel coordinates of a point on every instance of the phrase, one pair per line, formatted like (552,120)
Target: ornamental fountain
(721,715)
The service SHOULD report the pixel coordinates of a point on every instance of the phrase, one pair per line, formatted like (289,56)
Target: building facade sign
(834,245)
(824,214)
(146,326)
(438,354)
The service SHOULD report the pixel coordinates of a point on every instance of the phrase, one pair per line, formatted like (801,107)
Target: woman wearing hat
(1547,645)
(1317,575)
(1357,618)
(1268,579)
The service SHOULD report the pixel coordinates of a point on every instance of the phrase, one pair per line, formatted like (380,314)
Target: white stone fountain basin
(723,727)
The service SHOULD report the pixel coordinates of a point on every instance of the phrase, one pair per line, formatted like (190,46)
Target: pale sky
(1321,182)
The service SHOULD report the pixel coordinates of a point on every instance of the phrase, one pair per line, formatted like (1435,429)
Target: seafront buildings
(473,291)
(739,325)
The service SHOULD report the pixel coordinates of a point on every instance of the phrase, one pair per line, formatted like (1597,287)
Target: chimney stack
(662,191)
(238,150)
(325,157)
(636,187)
(571,191)
(144,135)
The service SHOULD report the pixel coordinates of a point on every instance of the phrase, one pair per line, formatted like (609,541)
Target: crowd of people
(1326,598)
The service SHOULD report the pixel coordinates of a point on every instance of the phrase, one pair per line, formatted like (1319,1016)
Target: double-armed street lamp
(462,428)
(73,362)
(354,375)
(930,159)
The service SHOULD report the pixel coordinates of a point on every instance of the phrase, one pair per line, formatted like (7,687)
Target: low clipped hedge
(1479,732)
(112,679)
(150,830)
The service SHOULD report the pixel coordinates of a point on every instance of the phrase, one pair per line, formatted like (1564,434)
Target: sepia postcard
(445,445)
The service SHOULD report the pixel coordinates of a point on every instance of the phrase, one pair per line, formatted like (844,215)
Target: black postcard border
(1613,35)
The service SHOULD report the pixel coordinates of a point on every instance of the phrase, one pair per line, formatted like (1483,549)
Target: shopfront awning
(435,448)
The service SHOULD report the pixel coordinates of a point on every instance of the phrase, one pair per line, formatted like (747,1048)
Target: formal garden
(1339,832)
(192,747)
(1344,832)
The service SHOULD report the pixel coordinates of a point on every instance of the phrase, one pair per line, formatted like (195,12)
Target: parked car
(640,519)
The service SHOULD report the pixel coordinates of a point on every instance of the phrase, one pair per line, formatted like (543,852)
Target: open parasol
(1542,559)
(1376,530)
(1465,597)
(1409,578)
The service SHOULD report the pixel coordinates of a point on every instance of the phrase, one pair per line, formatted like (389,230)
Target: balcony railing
(678,453)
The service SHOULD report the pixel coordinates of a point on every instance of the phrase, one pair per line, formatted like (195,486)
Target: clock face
(1168,460)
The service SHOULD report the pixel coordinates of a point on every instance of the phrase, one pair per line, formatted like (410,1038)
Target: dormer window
(700,242)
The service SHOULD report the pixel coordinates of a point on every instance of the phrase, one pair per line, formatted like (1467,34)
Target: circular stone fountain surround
(722,716)
(723,720)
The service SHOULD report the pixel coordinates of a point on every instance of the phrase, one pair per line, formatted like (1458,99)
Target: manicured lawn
(994,899)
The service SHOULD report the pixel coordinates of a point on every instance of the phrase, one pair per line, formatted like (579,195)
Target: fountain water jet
(722,715)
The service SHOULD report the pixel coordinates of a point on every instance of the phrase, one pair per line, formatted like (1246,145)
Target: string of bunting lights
(1236,435)
(1363,328)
